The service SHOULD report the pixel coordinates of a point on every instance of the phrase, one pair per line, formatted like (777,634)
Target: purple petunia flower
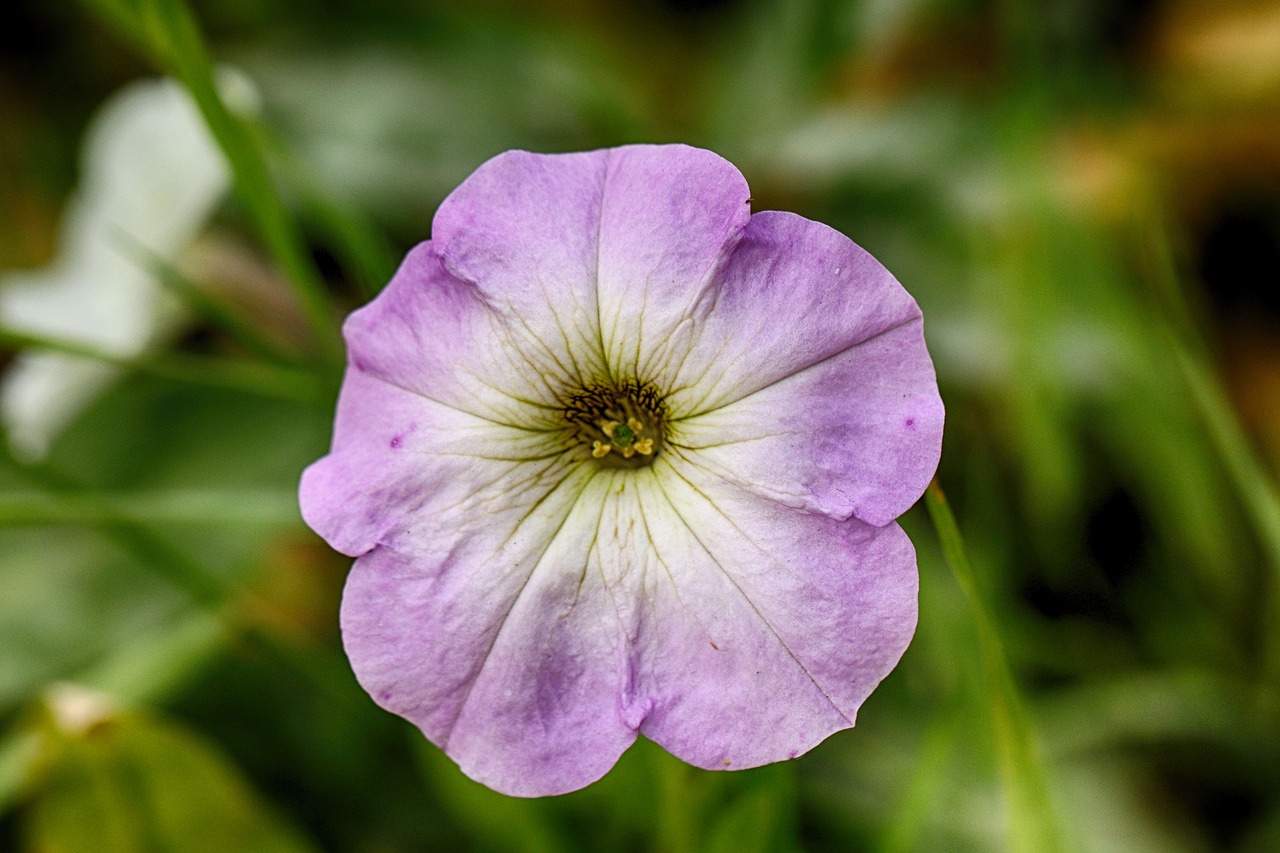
(618,457)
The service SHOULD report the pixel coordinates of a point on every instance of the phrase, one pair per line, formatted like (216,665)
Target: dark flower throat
(621,425)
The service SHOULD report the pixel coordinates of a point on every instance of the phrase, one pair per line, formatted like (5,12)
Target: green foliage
(1095,668)
(1032,823)
(128,784)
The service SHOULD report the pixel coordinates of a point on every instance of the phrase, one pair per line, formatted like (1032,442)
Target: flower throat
(622,425)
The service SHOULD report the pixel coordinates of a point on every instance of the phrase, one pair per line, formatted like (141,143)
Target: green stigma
(623,425)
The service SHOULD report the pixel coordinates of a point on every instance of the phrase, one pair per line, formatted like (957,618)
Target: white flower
(151,176)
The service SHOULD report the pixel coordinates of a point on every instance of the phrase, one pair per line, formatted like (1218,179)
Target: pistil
(623,425)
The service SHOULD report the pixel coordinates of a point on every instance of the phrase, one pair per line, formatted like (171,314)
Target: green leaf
(758,818)
(141,669)
(152,664)
(19,756)
(493,820)
(130,783)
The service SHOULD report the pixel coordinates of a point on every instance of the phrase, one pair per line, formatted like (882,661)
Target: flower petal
(496,635)
(764,627)
(811,383)
(859,433)
(524,229)
(532,641)
(400,457)
(438,337)
(670,216)
(795,292)
(599,252)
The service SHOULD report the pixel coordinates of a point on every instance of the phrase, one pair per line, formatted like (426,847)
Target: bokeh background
(1083,195)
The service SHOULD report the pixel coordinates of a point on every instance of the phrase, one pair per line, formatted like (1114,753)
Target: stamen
(626,418)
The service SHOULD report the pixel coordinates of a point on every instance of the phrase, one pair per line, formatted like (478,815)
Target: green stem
(360,247)
(201,302)
(903,831)
(251,377)
(677,832)
(172,37)
(193,507)
(1032,825)
(1248,474)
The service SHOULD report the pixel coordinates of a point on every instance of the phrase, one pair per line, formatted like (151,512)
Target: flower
(616,456)
(152,175)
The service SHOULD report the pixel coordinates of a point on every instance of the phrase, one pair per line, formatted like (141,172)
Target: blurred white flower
(151,176)
(76,709)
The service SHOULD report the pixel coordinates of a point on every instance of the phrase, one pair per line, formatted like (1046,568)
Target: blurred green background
(1084,197)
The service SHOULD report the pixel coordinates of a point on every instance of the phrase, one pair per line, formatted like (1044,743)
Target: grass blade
(1032,825)
(1248,474)
(236,508)
(202,303)
(246,376)
(174,40)
(359,247)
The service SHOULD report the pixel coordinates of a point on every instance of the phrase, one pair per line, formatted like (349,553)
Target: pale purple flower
(618,457)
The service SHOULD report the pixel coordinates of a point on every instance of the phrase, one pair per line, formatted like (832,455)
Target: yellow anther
(622,426)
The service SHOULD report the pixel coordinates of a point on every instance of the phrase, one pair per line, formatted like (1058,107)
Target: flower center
(621,425)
